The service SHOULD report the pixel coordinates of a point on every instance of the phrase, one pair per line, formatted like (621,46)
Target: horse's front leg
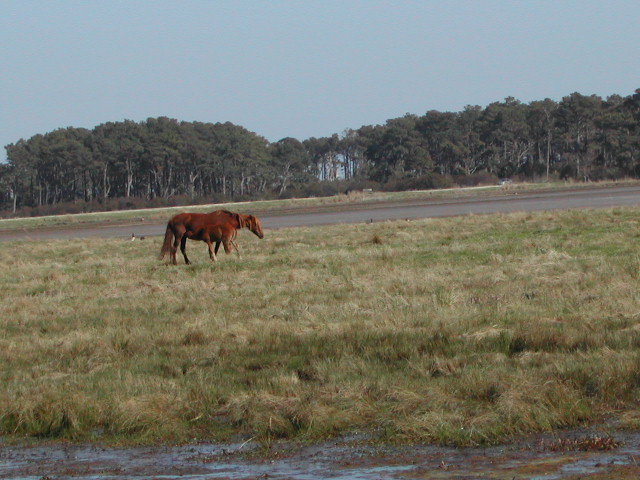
(232,240)
(226,243)
(183,249)
(235,245)
(212,254)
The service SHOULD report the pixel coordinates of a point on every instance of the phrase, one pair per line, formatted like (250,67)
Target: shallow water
(348,459)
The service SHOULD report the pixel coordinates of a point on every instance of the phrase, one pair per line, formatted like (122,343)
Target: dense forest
(163,161)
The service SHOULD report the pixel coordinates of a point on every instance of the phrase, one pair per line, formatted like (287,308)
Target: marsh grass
(463,331)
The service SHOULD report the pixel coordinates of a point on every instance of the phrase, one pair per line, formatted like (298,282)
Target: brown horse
(220,226)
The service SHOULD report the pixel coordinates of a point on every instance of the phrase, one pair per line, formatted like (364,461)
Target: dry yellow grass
(465,330)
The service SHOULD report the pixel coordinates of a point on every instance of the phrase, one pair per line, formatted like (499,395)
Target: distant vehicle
(505,181)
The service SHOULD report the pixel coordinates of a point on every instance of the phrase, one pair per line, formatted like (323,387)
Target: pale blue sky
(301,68)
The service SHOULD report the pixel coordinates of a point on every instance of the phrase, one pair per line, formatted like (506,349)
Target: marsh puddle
(349,459)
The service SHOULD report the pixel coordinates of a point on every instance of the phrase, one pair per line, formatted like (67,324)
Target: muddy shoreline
(567,455)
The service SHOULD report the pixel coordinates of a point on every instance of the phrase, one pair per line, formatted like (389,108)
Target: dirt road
(332,214)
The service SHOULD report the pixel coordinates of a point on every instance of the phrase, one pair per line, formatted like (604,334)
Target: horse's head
(255,225)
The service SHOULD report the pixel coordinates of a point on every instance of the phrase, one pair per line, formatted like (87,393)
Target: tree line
(164,161)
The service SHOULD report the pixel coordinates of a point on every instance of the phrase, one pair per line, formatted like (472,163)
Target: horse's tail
(166,246)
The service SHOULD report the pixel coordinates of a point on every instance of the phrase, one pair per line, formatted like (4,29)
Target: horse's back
(189,220)
(180,218)
(195,222)
(223,217)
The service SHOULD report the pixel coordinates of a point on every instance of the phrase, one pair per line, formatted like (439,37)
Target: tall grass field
(465,331)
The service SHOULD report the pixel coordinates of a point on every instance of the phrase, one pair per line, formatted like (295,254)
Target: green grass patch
(466,331)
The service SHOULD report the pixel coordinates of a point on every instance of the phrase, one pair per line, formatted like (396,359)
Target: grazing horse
(220,226)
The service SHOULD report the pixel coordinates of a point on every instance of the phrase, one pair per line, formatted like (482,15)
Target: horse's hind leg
(212,254)
(172,254)
(174,250)
(183,249)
